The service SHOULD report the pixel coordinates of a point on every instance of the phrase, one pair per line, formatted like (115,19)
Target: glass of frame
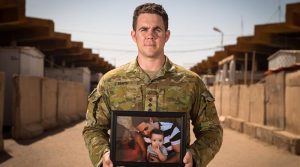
(141,138)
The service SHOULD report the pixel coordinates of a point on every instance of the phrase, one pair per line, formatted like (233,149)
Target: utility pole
(222,35)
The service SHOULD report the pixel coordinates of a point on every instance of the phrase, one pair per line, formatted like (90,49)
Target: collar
(167,67)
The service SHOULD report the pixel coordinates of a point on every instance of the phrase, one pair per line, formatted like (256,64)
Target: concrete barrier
(234,100)
(72,101)
(275,98)
(26,107)
(218,99)
(257,103)
(65,102)
(234,123)
(225,100)
(292,106)
(2,82)
(49,103)
(244,103)
(287,141)
(81,100)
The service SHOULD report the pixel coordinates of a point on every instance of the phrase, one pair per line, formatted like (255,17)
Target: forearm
(207,128)
(161,156)
(207,144)
(96,140)
(97,124)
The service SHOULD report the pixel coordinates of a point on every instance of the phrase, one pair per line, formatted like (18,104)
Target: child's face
(157,140)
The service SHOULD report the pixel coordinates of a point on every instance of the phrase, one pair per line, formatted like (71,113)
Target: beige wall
(275,95)
(26,107)
(244,103)
(72,101)
(49,103)
(234,100)
(292,105)
(257,103)
(2,81)
(40,103)
(225,100)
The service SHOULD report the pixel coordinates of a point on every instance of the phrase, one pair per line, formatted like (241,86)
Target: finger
(106,160)
(187,158)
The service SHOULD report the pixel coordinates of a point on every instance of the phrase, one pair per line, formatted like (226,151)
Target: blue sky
(105,25)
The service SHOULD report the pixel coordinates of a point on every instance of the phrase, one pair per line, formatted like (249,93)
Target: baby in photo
(156,151)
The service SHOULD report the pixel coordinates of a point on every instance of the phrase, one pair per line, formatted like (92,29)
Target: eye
(158,30)
(143,29)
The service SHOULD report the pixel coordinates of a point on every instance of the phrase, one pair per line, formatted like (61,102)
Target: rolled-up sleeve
(207,128)
(95,132)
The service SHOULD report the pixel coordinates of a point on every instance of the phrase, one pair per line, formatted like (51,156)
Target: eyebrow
(155,28)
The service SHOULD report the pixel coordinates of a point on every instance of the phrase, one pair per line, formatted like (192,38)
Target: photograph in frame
(140,138)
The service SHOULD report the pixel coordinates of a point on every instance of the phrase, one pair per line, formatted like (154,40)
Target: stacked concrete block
(27,107)
(287,141)
(265,133)
(49,103)
(292,105)
(250,129)
(24,61)
(257,103)
(79,74)
(2,82)
(275,99)
(244,103)
(234,123)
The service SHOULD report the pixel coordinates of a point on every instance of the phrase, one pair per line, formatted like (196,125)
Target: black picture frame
(121,156)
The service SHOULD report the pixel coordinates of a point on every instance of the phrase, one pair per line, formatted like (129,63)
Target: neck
(151,64)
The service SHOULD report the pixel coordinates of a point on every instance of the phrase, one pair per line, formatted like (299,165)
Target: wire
(170,51)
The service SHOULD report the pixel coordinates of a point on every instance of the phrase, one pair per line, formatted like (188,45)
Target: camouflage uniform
(173,89)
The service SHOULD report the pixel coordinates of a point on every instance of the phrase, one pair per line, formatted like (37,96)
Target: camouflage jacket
(173,89)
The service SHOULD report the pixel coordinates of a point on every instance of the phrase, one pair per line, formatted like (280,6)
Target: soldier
(152,82)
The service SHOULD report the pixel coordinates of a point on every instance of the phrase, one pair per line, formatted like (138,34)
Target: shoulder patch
(208,96)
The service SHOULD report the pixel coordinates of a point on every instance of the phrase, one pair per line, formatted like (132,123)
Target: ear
(133,35)
(168,33)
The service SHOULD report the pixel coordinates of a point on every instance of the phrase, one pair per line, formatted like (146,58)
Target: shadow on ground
(4,156)
(45,133)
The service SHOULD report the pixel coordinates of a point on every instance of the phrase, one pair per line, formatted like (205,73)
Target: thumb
(187,157)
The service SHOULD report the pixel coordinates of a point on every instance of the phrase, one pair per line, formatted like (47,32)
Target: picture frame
(131,145)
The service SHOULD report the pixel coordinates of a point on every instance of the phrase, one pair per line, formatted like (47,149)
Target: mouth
(150,45)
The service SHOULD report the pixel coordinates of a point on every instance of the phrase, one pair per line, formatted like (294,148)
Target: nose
(150,35)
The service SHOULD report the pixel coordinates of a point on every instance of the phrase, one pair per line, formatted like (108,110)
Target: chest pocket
(178,99)
(125,97)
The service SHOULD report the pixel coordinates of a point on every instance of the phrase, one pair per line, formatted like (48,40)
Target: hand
(156,149)
(106,160)
(188,159)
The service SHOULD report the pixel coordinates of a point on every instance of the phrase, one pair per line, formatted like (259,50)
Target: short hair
(151,8)
(136,121)
(156,131)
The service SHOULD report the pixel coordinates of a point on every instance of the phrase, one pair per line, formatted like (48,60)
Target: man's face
(150,35)
(145,128)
